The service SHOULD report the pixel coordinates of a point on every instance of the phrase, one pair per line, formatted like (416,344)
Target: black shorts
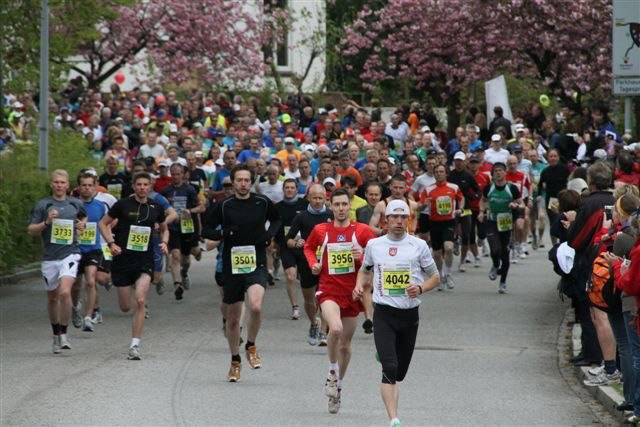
(122,278)
(235,285)
(465,229)
(308,280)
(287,257)
(184,242)
(441,231)
(90,259)
(517,213)
(105,265)
(219,279)
(423,223)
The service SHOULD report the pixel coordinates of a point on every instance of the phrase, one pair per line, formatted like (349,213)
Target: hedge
(22,183)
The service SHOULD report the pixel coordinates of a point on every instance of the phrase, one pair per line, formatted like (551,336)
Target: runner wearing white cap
(402,268)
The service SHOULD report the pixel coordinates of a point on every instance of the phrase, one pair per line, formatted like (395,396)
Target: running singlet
(339,269)
(383,218)
(499,199)
(521,181)
(482,179)
(441,199)
(397,265)
(90,238)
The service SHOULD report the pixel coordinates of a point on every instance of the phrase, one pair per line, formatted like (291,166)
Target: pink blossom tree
(211,40)
(443,46)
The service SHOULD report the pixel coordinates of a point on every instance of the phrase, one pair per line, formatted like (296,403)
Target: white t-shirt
(155,151)
(106,198)
(273,192)
(492,156)
(420,184)
(410,255)
(525,167)
(294,175)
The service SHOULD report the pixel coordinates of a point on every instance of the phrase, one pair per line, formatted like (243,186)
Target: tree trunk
(453,117)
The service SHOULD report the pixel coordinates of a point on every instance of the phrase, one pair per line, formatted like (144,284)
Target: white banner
(495,91)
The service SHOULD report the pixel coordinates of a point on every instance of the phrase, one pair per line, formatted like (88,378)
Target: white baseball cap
(459,156)
(329,180)
(397,207)
(208,110)
(519,127)
(600,154)
(495,137)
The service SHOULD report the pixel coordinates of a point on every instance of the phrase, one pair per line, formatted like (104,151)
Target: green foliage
(22,183)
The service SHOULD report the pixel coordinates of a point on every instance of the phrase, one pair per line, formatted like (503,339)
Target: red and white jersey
(442,200)
(332,245)
(521,181)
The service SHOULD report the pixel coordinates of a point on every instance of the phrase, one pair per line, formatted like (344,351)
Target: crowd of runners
(364,215)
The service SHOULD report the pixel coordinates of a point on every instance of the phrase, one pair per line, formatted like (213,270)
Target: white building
(291,57)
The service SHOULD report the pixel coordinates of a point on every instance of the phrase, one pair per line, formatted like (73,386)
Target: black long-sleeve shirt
(243,224)
(554,179)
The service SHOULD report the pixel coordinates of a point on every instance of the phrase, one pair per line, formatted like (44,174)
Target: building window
(281,50)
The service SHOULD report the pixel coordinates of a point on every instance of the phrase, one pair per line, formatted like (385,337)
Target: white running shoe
(64,342)
(477,262)
(514,256)
(450,283)
(56,344)
(462,268)
(331,385)
(314,332)
(604,379)
(295,312)
(97,316)
(87,325)
(134,353)
(76,317)
(502,288)
(334,404)
(322,339)
(597,370)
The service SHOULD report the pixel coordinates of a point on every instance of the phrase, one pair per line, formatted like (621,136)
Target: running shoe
(441,285)
(502,288)
(595,371)
(270,279)
(108,286)
(367,325)
(534,242)
(456,247)
(97,316)
(632,419)
(186,282)
(334,404)
(56,344)
(493,273)
(234,372)
(331,385)
(462,268)
(484,249)
(295,312)
(396,423)
(64,342)
(603,379)
(522,251)
(254,358)
(450,283)
(476,262)
(134,353)
(160,287)
(322,339)
(178,292)
(76,317)
(87,325)
(314,331)
(147,313)
(514,256)
(198,255)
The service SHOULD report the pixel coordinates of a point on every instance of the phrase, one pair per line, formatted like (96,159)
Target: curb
(29,272)
(607,396)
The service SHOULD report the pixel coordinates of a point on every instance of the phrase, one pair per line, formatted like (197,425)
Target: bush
(22,183)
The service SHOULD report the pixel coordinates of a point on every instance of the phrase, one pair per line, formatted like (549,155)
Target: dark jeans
(634,346)
(624,354)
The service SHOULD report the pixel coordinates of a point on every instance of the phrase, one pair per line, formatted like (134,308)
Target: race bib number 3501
(138,238)
(396,278)
(62,231)
(340,258)
(243,259)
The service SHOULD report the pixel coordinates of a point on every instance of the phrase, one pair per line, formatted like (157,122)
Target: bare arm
(374,222)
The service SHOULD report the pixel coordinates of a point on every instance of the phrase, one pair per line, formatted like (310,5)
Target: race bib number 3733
(62,231)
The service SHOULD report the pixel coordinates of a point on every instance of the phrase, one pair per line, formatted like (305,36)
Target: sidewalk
(28,271)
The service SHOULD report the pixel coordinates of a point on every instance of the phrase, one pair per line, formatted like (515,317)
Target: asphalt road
(481,358)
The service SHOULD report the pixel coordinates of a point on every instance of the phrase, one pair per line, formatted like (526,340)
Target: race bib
(115,190)
(88,236)
(553,202)
(106,252)
(62,231)
(396,278)
(340,258)
(243,259)
(444,205)
(186,226)
(138,238)
(466,212)
(505,221)
(319,253)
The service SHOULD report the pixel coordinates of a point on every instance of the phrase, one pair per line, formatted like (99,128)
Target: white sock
(334,367)
(339,383)
(135,341)
(393,421)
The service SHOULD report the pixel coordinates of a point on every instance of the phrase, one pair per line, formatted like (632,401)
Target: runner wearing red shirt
(478,228)
(445,201)
(522,182)
(334,252)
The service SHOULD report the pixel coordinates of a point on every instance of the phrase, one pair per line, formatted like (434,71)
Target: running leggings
(394,332)
(499,242)
(477,228)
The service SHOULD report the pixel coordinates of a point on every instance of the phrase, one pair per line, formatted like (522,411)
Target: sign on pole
(626,38)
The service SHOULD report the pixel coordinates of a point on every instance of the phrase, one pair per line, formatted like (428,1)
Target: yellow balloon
(544,100)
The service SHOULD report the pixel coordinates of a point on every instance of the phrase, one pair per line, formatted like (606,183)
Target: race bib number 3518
(138,238)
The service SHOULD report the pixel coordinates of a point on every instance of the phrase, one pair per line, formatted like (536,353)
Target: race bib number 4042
(396,278)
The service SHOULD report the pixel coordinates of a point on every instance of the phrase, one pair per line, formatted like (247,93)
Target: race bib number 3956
(340,258)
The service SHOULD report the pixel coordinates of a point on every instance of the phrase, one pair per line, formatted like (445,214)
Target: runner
(90,245)
(132,264)
(243,217)
(287,209)
(398,187)
(418,186)
(537,200)
(445,201)
(478,233)
(498,201)
(302,225)
(184,236)
(523,184)
(340,246)
(59,220)
(116,182)
(402,269)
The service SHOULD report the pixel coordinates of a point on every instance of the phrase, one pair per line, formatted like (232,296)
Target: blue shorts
(158,256)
